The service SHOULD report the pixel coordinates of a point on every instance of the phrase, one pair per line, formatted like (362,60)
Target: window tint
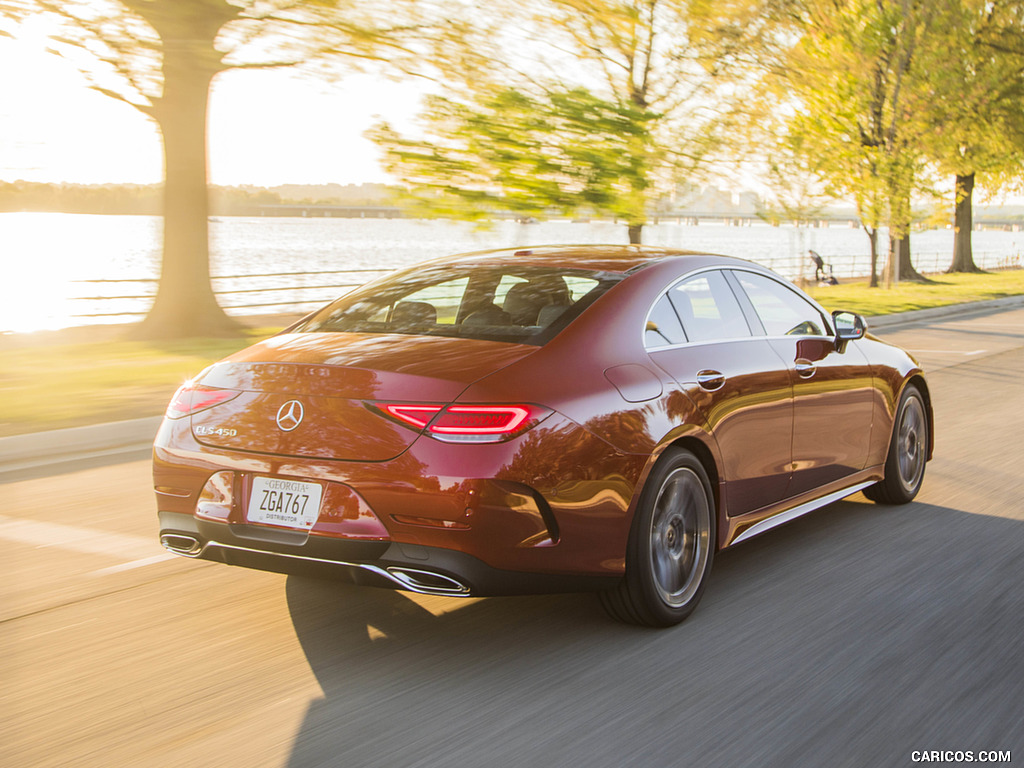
(782,311)
(708,308)
(443,298)
(579,286)
(663,328)
(500,303)
(504,286)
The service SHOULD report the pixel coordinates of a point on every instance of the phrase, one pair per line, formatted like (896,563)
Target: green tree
(618,75)
(161,56)
(970,100)
(843,88)
(565,151)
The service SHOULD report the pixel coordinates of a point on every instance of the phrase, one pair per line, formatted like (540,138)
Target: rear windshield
(507,303)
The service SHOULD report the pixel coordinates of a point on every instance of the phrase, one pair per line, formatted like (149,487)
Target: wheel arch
(918,381)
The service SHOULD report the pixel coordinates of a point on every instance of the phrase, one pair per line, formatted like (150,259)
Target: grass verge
(943,290)
(47,384)
(89,376)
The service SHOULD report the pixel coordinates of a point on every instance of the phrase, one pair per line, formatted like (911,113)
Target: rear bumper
(411,567)
(547,509)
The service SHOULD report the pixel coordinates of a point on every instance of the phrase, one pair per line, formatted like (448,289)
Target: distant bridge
(330,211)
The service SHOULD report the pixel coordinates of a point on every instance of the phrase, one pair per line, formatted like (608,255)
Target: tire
(908,452)
(671,546)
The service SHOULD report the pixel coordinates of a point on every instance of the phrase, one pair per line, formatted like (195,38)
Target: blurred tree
(11,12)
(160,57)
(834,83)
(567,150)
(970,98)
(845,83)
(596,105)
(795,192)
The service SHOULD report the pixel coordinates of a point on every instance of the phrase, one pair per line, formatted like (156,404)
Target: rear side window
(708,308)
(499,303)
(663,328)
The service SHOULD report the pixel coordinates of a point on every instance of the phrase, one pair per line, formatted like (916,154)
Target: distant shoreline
(379,201)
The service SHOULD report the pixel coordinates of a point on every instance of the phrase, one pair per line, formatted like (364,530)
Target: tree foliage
(970,99)
(568,151)
(567,104)
(846,82)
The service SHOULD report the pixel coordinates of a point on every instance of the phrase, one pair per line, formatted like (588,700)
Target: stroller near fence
(822,271)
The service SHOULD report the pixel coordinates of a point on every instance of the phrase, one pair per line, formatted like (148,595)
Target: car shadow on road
(853,588)
(390,668)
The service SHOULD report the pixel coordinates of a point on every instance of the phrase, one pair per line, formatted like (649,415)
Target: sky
(265,127)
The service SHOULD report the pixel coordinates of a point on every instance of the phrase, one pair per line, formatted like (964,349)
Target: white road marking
(947,352)
(136,551)
(988,325)
(136,564)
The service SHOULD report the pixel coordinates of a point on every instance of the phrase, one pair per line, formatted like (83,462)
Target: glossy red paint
(487,465)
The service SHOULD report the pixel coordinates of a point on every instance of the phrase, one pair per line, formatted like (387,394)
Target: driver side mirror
(849,326)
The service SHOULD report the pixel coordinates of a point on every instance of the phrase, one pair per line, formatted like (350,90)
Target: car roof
(604,258)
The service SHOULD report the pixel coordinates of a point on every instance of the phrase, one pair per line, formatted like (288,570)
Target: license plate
(275,501)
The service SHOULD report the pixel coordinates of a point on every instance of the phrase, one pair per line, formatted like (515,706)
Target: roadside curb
(41,449)
(913,316)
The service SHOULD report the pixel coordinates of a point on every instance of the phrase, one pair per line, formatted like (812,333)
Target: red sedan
(562,418)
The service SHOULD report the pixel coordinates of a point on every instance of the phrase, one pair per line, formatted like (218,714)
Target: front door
(831,386)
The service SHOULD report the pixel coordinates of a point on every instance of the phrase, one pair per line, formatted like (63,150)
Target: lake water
(50,259)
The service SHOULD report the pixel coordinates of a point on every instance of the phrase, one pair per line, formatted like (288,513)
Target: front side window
(782,311)
(501,303)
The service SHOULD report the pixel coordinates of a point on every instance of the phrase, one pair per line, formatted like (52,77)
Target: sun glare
(266,127)
(53,128)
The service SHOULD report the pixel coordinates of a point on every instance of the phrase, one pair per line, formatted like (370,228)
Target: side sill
(741,531)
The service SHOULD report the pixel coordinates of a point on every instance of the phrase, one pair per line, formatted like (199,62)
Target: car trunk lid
(307,394)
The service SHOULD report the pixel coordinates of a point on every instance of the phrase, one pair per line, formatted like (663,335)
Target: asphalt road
(855,636)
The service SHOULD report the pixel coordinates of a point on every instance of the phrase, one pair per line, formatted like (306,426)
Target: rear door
(698,334)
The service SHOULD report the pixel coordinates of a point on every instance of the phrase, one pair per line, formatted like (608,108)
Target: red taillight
(415,415)
(191,398)
(480,420)
(467,423)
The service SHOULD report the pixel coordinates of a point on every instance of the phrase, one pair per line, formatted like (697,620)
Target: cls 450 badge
(202,430)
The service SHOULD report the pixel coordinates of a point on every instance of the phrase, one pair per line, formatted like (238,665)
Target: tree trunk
(963,224)
(636,234)
(902,222)
(907,269)
(873,239)
(185,304)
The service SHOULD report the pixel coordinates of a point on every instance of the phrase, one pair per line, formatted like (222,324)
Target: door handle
(805,368)
(711,380)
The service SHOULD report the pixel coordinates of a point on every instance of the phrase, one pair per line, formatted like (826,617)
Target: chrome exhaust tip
(181,544)
(427,582)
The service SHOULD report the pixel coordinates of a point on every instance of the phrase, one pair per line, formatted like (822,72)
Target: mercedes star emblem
(289,415)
